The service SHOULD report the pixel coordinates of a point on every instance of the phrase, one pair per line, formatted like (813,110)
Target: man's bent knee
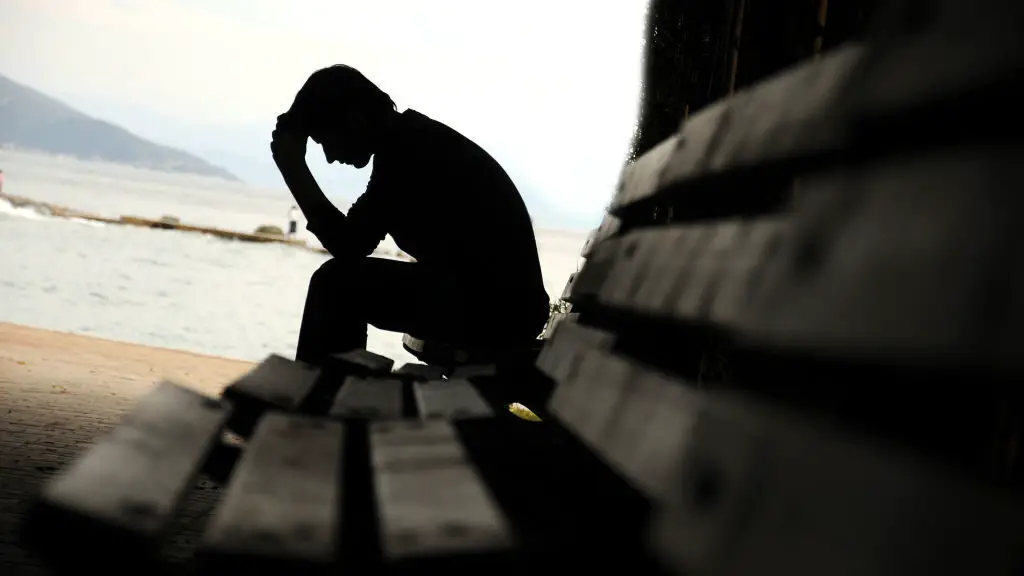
(331,272)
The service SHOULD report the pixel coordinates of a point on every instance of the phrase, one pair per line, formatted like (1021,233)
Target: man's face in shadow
(343,141)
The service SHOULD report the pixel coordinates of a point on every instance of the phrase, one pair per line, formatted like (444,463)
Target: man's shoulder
(419,123)
(439,139)
(433,142)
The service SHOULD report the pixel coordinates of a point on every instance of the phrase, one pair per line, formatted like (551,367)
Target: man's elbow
(341,247)
(364,242)
(331,242)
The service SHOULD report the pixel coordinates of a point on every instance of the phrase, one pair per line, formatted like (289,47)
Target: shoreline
(172,223)
(7,327)
(28,354)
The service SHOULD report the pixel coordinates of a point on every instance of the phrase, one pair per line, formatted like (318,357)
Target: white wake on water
(30,213)
(8,209)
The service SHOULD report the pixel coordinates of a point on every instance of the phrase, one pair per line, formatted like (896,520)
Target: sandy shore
(59,391)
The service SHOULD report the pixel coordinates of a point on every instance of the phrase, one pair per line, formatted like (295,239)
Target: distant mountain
(32,120)
(244,149)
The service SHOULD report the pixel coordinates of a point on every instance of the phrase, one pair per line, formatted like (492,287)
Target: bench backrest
(836,238)
(810,294)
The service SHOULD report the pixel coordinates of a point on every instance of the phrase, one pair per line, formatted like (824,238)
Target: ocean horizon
(167,288)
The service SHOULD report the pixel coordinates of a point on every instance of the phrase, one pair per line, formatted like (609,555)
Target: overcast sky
(555,81)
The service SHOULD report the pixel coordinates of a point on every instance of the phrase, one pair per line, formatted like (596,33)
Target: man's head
(343,111)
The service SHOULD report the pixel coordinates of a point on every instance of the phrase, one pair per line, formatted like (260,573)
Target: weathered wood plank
(432,504)
(742,269)
(608,228)
(450,399)
(473,371)
(789,118)
(654,266)
(756,490)
(360,362)
(124,490)
(420,372)
(561,353)
(963,69)
(583,286)
(680,272)
(904,260)
(556,319)
(370,399)
(277,383)
(642,178)
(283,503)
(568,290)
(337,369)
(636,419)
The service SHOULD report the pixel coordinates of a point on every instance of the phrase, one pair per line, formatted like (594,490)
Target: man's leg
(346,295)
(329,324)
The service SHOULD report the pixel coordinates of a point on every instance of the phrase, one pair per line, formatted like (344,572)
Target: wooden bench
(807,361)
(447,357)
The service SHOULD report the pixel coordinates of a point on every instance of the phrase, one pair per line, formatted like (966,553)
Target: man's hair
(331,89)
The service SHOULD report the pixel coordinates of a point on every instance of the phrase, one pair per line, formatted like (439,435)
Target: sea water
(167,288)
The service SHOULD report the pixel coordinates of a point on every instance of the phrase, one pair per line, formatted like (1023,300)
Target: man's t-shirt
(451,206)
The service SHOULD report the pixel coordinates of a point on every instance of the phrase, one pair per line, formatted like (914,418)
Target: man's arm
(357,235)
(323,219)
(367,219)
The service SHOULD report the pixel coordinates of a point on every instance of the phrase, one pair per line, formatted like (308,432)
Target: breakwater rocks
(263,234)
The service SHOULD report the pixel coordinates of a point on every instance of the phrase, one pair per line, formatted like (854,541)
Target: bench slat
(639,280)
(556,319)
(642,178)
(609,226)
(450,399)
(690,273)
(635,419)
(712,461)
(568,290)
(370,399)
(127,486)
(788,118)
(420,372)
(338,367)
(360,362)
(561,352)
(583,286)
(473,371)
(432,504)
(741,271)
(284,499)
(760,490)
(277,383)
(955,71)
(913,259)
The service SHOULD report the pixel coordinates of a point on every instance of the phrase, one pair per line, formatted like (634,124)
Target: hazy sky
(555,81)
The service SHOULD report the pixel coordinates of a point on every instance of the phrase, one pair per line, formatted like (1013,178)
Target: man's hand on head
(287,144)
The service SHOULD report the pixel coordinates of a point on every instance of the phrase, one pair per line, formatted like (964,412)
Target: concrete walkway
(58,392)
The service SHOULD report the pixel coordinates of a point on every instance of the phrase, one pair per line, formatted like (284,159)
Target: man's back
(457,211)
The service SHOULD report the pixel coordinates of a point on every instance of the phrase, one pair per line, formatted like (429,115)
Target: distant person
(293,226)
(445,201)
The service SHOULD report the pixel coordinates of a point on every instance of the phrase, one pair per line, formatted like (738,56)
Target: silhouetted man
(444,200)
